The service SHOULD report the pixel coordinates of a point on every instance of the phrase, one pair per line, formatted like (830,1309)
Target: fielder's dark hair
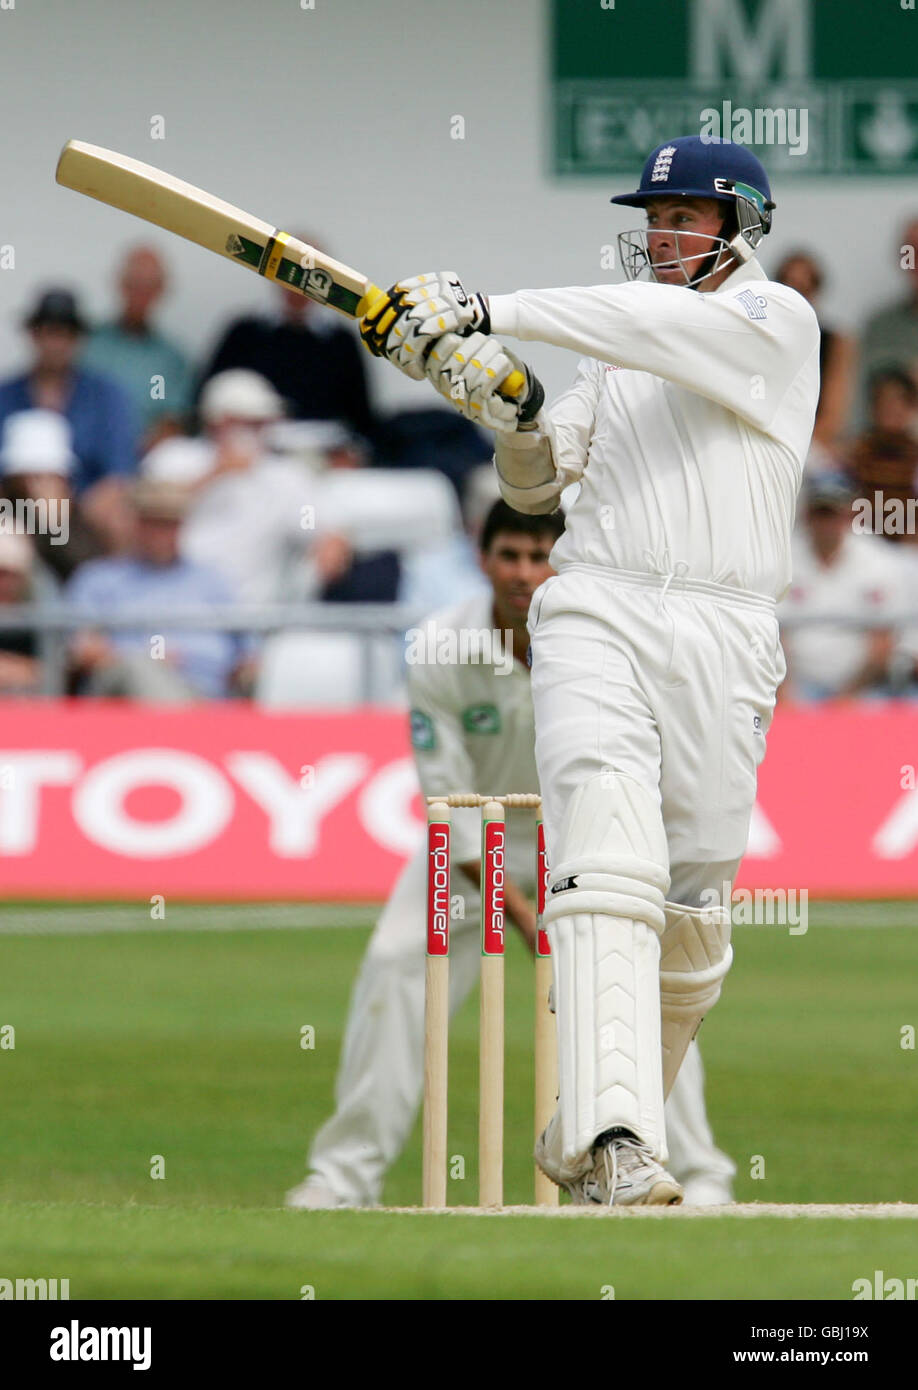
(893,376)
(504,518)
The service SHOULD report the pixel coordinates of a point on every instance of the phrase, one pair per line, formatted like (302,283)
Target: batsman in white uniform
(655,649)
(472,728)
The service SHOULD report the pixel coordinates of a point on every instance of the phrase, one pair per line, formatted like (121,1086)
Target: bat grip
(370,293)
(513,385)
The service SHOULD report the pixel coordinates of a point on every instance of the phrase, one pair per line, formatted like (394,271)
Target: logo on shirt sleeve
(481,719)
(423,737)
(754,304)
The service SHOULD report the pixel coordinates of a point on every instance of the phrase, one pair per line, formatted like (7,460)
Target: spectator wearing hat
(255,518)
(883,461)
(20,667)
(837,619)
(98,410)
(36,463)
(171,666)
(178,459)
(313,362)
(130,349)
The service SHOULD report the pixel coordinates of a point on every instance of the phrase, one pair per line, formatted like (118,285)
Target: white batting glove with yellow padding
(400,323)
(470,370)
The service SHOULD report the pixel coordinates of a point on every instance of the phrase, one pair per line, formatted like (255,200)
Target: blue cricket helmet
(693,167)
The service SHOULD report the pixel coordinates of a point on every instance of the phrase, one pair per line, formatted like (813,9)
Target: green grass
(185,1044)
(208,1252)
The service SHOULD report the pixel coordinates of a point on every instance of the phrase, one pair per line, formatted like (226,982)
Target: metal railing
(54,622)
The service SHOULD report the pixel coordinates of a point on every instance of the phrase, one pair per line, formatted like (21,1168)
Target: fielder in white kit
(655,648)
(471,728)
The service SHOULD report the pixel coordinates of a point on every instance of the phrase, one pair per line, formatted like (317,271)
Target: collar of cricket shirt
(741,276)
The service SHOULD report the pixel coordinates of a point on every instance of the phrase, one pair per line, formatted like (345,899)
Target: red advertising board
(225,801)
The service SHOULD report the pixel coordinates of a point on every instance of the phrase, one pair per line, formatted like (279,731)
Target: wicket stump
(491,1018)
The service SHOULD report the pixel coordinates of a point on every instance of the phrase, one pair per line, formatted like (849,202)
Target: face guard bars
(753,217)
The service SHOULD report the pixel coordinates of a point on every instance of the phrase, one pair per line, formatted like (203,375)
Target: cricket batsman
(472,730)
(655,648)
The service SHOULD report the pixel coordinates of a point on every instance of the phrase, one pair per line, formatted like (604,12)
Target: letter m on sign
(751,39)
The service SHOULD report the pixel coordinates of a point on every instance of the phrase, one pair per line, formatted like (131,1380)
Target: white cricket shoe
(625,1174)
(313,1195)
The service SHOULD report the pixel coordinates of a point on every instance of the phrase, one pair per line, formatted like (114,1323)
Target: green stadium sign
(817,87)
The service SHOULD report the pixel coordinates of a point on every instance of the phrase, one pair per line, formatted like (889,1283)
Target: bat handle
(513,385)
(370,293)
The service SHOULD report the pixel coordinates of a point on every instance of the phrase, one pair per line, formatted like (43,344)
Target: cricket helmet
(693,166)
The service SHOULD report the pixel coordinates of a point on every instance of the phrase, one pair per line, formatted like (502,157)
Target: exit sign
(815,87)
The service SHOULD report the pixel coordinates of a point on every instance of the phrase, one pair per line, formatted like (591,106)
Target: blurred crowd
(850,618)
(134,480)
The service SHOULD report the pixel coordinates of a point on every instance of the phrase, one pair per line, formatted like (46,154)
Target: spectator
(178,459)
(255,518)
(315,365)
(839,576)
(905,660)
(36,461)
(152,369)
(434,438)
(98,410)
(837,354)
(890,336)
(188,665)
(884,461)
(20,668)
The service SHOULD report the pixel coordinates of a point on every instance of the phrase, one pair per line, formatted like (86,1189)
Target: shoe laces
(634,1154)
(610,1163)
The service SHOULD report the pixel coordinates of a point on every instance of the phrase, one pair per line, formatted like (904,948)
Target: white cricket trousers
(669,681)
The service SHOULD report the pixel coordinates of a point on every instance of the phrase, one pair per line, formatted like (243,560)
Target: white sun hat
(178,460)
(37,441)
(241,394)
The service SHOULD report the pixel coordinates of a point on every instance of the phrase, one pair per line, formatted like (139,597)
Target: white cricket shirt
(687,425)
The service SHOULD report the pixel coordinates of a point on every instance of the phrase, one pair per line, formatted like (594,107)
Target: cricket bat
(197,216)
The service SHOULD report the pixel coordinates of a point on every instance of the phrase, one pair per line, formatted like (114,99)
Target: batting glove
(469,371)
(402,322)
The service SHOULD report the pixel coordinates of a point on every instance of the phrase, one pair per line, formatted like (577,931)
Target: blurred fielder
(472,729)
(655,650)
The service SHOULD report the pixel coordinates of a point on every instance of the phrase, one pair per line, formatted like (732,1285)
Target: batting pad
(604,917)
(695,955)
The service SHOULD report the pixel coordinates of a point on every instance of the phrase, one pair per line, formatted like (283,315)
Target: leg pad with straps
(695,955)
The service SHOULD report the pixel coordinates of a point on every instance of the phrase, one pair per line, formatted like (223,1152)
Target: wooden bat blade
(220,227)
(189,212)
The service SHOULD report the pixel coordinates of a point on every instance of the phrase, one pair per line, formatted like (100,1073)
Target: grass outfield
(133,1042)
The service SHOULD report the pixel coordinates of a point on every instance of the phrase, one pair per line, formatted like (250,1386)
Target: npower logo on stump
(110,800)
